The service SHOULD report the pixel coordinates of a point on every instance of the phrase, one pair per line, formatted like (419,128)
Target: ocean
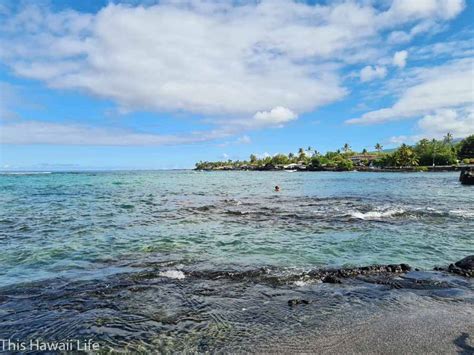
(207,261)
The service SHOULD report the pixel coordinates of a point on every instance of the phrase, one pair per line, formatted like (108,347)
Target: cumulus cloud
(370,73)
(203,57)
(199,58)
(442,9)
(400,59)
(242,65)
(275,116)
(443,87)
(460,123)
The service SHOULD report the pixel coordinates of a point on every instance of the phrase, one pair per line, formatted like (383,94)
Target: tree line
(424,153)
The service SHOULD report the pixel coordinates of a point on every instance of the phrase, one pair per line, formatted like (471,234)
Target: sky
(164,84)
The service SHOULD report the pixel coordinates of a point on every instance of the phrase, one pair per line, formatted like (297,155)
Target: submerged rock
(275,278)
(296,302)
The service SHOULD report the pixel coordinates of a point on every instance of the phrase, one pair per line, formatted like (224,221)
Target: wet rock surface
(463,267)
(296,302)
(172,308)
(271,276)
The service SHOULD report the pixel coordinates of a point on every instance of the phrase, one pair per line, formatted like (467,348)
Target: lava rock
(331,280)
(296,302)
(405,267)
(466,264)
(467,176)
(463,267)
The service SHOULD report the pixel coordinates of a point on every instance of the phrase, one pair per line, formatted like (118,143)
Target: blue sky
(163,84)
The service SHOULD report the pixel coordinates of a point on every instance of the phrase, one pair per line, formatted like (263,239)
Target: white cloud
(197,57)
(426,26)
(40,132)
(410,9)
(241,65)
(275,116)
(454,48)
(397,37)
(460,123)
(443,87)
(370,73)
(219,59)
(400,59)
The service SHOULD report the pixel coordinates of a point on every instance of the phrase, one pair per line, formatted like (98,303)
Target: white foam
(463,213)
(377,214)
(173,274)
(300,283)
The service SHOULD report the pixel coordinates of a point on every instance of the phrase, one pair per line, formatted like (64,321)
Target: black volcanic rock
(296,302)
(463,267)
(331,279)
(467,263)
(467,176)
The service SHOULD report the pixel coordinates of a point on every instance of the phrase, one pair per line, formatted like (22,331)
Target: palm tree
(346,147)
(301,154)
(364,151)
(253,158)
(405,156)
(448,138)
(378,147)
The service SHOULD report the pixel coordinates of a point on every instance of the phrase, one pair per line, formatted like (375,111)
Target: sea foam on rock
(173,274)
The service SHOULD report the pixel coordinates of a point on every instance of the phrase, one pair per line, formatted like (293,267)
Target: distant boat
(467,176)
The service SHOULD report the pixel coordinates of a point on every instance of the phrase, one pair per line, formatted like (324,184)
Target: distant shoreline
(436,169)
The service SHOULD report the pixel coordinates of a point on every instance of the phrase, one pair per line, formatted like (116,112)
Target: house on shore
(363,159)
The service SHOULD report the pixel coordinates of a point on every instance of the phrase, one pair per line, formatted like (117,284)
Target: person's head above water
(277,188)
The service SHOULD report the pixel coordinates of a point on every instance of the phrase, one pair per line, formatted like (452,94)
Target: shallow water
(131,258)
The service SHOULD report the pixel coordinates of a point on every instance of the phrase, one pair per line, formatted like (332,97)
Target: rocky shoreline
(269,309)
(463,267)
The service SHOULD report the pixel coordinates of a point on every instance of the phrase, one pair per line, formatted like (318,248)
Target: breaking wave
(173,274)
(378,214)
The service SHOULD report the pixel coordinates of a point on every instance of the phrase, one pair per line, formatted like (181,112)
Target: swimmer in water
(277,188)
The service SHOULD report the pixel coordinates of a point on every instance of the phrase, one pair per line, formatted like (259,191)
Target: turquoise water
(92,224)
(194,262)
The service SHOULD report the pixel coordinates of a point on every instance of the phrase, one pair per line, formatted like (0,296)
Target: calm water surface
(65,236)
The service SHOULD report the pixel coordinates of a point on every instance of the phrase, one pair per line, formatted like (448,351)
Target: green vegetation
(418,157)
(466,148)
